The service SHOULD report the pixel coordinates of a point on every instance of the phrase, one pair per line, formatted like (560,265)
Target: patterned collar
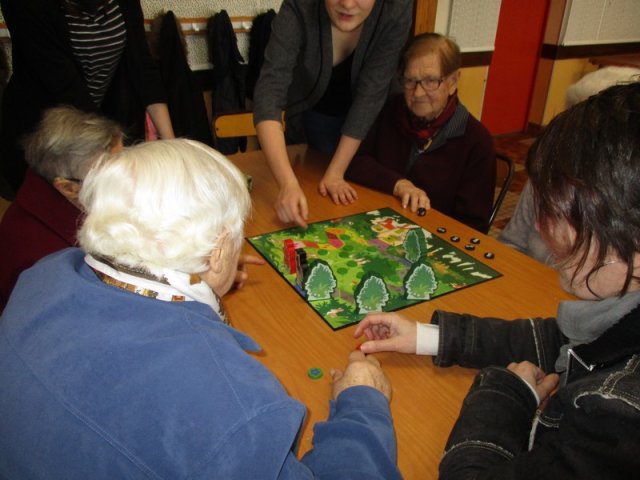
(171,286)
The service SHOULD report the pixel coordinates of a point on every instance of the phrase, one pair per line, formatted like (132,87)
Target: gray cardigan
(298,61)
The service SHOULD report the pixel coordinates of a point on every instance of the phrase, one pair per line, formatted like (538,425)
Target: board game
(371,261)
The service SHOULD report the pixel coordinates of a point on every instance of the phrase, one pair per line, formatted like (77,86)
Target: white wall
(471,23)
(601,21)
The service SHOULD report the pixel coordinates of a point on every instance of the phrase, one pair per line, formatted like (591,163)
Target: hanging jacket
(184,97)
(229,71)
(258,39)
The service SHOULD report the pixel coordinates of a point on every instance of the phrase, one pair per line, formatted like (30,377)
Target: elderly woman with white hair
(118,361)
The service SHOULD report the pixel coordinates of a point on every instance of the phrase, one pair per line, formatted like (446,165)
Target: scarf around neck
(421,130)
(583,321)
(171,286)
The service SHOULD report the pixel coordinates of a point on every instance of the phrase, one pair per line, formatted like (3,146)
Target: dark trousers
(322,131)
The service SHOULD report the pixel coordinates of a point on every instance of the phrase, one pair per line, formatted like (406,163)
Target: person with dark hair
(89,54)
(556,397)
(425,147)
(520,232)
(328,65)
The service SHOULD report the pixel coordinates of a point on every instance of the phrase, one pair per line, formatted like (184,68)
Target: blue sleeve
(357,441)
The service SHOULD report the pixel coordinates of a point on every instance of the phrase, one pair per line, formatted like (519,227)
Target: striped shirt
(97,41)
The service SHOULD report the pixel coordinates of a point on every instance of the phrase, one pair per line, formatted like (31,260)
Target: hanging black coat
(229,71)
(258,39)
(184,97)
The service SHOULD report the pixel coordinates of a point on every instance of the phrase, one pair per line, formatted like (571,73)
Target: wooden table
(426,399)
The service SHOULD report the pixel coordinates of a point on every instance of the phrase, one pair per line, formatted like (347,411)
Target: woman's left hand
(338,189)
(241,273)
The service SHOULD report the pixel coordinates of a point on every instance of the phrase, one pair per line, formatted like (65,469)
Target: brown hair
(444,47)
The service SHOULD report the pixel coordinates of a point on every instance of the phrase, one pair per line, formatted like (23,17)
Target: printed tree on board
(371,294)
(320,282)
(414,244)
(420,282)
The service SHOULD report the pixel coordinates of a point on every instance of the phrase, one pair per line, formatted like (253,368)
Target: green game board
(368,245)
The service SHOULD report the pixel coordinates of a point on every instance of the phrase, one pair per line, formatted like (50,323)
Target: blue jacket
(101,383)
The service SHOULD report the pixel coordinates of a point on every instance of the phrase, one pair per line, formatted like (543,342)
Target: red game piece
(289,251)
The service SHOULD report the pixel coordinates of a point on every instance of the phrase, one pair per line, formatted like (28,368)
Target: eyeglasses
(428,84)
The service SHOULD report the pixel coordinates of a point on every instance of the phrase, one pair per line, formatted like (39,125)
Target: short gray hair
(67,141)
(163,205)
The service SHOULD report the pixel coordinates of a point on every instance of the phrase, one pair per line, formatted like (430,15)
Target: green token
(315,373)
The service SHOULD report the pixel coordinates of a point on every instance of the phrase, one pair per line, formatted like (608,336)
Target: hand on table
(241,273)
(361,370)
(387,332)
(338,189)
(542,383)
(291,205)
(411,196)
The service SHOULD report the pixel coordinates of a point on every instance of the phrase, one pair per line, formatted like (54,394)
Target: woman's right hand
(291,205)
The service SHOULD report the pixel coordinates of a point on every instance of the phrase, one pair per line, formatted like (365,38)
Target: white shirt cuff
(427,339)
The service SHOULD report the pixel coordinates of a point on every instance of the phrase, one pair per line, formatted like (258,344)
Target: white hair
(598,80)
(163,204)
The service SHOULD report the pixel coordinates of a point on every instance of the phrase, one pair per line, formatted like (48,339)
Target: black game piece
(468,246)
(441,230)
(475,240)
(489,255)
(422,212)
(455,238)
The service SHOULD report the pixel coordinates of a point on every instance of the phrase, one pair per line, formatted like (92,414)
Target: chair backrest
(504,176)
(235,124)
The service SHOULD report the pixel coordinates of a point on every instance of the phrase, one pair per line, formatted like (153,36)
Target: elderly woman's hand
(241,273)
(361,370)
(411,196)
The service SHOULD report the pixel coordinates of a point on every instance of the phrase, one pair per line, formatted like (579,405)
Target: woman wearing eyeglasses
(425,147)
